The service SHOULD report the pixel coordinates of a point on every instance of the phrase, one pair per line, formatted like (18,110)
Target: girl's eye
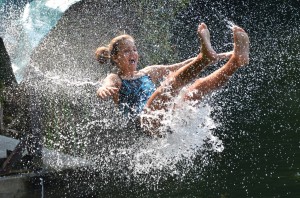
(129,51)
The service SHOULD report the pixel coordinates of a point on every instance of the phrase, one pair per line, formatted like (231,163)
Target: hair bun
(102,55)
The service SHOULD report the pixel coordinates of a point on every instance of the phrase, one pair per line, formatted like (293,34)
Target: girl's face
(127,56)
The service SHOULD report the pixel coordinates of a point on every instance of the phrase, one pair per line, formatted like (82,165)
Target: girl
(134,90)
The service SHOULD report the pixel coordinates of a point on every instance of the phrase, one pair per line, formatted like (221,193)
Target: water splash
(76,122)
(105,140)
(83,126)
(191,129)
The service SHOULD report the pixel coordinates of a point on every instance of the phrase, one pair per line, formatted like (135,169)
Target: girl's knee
(193,95)
(194,92)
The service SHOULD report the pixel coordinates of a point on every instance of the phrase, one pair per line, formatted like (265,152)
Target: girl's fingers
(109,91)
(102,95)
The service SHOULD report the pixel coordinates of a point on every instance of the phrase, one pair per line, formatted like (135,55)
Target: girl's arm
(156,72)
(110,87)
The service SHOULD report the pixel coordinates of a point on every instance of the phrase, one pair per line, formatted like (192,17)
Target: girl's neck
(130,75)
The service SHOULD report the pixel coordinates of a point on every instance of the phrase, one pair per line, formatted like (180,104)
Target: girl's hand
(104,92)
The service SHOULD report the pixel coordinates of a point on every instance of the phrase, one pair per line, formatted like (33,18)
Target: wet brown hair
(104,54)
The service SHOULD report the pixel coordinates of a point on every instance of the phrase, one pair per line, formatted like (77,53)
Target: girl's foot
(207,52)
(241,46)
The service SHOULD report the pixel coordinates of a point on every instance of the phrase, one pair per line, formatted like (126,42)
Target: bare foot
(241,46)
(207,51)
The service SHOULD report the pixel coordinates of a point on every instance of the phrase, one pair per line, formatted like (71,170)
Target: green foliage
(1,92)
(154,33)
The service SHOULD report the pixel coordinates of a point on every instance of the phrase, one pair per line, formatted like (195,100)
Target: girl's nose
(133,52)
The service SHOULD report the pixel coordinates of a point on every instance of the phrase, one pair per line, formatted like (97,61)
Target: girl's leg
(218,78)
(171,86)
(196,91)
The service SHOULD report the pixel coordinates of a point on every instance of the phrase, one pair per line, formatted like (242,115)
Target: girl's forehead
(127,43)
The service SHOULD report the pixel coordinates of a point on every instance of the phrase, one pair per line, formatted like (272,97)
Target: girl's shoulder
(146,70)
(155,72)
(113,78)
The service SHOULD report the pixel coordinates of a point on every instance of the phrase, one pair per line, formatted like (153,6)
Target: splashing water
(191,129)
(84,126)
(78,123)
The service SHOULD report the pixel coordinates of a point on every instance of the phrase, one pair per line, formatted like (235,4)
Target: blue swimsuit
(133,95)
